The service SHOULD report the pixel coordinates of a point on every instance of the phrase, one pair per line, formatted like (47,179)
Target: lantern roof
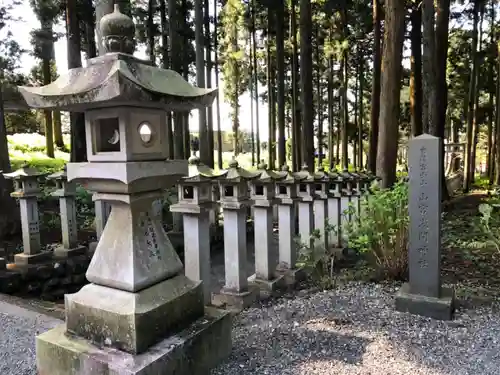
(24,173)
(199,172)
(268,175)
(61,175)
(118,79)
(236,174)
(304,175)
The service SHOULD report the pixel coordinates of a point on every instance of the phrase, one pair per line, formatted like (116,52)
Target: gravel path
(18,328)
(354,330)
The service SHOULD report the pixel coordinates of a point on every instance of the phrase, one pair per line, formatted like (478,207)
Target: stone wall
(49,280)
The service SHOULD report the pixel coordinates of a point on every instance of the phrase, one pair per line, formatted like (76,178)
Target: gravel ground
(354,330)
(18,328)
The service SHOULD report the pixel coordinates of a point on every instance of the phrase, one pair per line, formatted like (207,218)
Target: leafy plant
(381,231)
(489,224)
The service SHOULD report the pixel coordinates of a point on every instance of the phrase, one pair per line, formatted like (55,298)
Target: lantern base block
(193,351)
(268,287)
(292,276)
(62,252)
(235,301)
(25,259)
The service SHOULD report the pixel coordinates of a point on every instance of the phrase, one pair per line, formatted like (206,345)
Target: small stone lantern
(321,182)
(140,310)
(234,201)
(263,190)
(66,192)
(306,193)
(195,203)
(334,197)
(286,193)
(27,190)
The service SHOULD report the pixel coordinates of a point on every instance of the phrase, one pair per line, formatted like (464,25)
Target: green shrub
(47,165)
(382,230)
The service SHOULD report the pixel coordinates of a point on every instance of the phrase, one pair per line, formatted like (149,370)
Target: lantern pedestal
(25,259)
(193,350)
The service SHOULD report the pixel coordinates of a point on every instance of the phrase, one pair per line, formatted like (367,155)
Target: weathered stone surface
(9,281)
(236,301)
(423,294)
(25,259)
(133,322)
(138,257)
(193,351)
(441,308)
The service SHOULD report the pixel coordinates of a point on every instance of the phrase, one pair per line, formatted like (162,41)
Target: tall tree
(280,58)
(469,168)
(416,95)
(390,91)
(205,156)
(77,119)
(208,50)
(306,79)
(375,108)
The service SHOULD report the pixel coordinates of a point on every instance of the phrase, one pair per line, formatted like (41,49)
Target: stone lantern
(234,201)
(27,190)
(321,185)
(306,194)
(263,192)
(334,197)
(195,203)
(66,192)
(286,193)
(140,309)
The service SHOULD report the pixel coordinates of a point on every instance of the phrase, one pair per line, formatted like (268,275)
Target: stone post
(102,211)
(334,197)
(266,253)
(286,193)
(195,204)
(345,205)
(305,194)
(234,202)
(423,295)
(321,207)
(27,190)
(66,192)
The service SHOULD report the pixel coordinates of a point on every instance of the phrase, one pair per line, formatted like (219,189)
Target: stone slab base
(193,351)
(24,259)
(133,322)
(61,252)
(436,308)
(294,276)
(235,301)
(268,288)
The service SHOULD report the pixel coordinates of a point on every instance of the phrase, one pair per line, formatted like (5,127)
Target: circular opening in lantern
(146,133)
(115,138)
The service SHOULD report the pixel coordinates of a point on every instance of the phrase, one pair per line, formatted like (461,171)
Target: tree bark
(416,95)
(77,119)
(58,136)
(390,92)
(296,114)
(210,114)
(256,82)
(469,168)
(375,110)
(205,156)
(306,80)
(441,45)
(280,62)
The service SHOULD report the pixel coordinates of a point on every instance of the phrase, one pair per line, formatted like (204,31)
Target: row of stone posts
(322,201)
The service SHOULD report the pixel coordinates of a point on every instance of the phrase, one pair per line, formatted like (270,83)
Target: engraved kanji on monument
(423,295)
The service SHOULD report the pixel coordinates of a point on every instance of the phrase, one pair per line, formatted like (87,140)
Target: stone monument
(423,295)
(140,314)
